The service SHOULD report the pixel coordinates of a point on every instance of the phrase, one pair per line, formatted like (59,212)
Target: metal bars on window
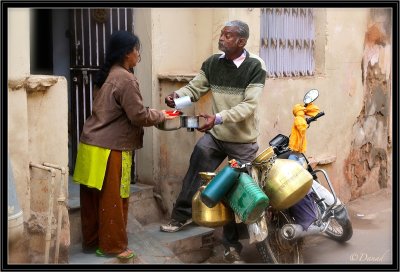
(288,41)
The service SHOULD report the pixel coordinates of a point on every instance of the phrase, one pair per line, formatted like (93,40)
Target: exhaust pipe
(295,231)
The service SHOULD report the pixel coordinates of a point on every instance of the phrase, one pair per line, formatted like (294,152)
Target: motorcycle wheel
(276,249)
(340,228)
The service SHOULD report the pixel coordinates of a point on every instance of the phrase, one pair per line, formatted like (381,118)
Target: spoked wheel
(340,228)
(276,249)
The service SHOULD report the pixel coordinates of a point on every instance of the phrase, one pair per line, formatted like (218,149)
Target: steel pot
(171,124)
(190,122)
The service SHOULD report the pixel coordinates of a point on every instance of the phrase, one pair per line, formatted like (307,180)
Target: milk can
(202,215)
(219,186)
(287,183)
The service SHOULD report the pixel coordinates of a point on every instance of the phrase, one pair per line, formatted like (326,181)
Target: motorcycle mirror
(310,96)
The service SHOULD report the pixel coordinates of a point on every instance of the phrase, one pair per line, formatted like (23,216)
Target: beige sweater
(235,92)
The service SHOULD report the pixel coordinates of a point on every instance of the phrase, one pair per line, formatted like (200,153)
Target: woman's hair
(120,44)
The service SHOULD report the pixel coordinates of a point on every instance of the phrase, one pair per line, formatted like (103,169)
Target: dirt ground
(371,243)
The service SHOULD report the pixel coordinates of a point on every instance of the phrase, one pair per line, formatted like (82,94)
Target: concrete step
(193,244)
(143,204)
(150,250)
(143,208)
(76,256)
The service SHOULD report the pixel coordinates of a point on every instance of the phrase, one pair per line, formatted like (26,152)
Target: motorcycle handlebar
(312,119)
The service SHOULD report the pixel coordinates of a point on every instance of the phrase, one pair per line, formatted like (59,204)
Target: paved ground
(371,243)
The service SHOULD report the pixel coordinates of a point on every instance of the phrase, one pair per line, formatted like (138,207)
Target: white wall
(18,69)
(37,126)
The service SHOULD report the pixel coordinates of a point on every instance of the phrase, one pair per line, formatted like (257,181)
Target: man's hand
(209,122)
(169,99)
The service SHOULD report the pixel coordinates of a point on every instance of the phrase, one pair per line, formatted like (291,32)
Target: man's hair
(243,28)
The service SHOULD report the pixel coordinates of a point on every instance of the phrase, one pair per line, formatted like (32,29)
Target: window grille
(288,41)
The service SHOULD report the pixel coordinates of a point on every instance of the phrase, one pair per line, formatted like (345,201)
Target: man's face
(229,40)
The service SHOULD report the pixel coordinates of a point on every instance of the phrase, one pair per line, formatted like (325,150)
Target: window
(288,41)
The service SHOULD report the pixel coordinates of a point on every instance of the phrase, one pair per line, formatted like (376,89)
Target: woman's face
(133,58)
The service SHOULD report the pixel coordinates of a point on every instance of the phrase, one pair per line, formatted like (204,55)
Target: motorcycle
(277,231)
(285,237)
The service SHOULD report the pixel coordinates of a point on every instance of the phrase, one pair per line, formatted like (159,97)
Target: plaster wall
(338,78)
(18,43)
(18,145)
(48,143)
(368,166)
(144,158)
(17,119)
(339,81)
(18,69)
(172,42)
(37,132)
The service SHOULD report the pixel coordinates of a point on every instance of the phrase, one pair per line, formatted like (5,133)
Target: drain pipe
(15,214)
(50,212)
(61,203)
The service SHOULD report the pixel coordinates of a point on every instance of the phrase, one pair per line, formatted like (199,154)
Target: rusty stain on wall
(37,223)
(366,167)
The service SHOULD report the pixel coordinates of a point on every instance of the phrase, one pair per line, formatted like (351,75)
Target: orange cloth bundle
(297,140)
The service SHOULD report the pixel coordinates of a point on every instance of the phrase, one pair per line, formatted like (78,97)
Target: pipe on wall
(61,200)
(50,211)
(15,214)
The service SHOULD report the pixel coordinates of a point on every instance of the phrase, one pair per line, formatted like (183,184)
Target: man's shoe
(174,225)
(232,256)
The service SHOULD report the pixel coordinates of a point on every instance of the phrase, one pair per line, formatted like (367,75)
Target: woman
(109,136)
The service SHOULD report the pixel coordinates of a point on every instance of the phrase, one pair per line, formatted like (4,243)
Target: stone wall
(368,166)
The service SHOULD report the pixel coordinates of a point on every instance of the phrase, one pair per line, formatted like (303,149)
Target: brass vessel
(202,215)
(287,183)
(265,155)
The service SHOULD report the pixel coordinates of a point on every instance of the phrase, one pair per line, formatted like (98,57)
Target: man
(236,79)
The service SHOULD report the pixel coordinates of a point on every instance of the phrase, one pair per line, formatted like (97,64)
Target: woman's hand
(167,116)
(210,119)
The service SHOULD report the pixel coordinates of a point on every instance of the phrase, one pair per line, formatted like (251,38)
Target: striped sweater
(235,92)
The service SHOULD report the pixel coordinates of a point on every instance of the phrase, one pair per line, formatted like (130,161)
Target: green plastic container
(219,186)
(247,199)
